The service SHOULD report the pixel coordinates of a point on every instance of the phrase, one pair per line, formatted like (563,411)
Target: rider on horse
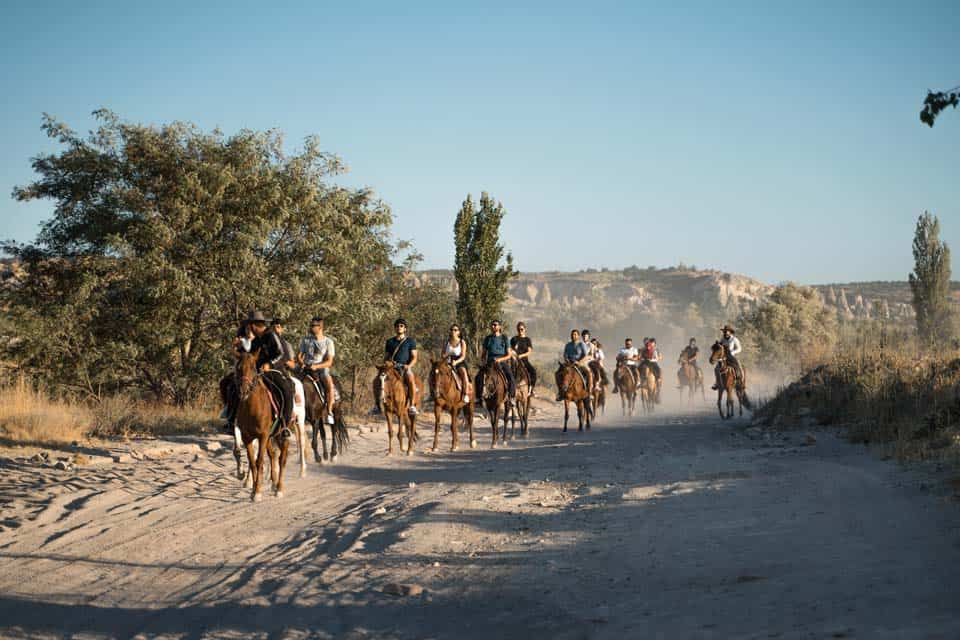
(652,357)
(731,345)
(401,350)
(316,356)
(496,349)
(455,353)
(594,364)
(523,347)
(689,356)
(575,352)
(629,356)
(271,361)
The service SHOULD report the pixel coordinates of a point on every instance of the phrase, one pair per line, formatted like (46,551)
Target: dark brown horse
(316,413)
(521,409)
(449,391)
(255,423)
(648,387)
(627,385)
(729,382)
(599,391)
(495,397)
(691,377)
(573,388)
(395,402)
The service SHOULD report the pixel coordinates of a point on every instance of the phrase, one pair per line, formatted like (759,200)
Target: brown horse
(648,388)
(448,396)
(573,388)
(729,383)
(691,377)
(316,414)
(599,391)
(627,385)
(395,402)
(255,423)
(495,396)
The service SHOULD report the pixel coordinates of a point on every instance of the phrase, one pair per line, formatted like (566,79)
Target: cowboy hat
(257,316)
(727,327)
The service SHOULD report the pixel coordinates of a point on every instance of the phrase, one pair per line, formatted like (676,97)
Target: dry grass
(29,414)
(912,404)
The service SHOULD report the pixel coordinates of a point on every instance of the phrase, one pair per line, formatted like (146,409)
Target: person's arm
(328,358)
(413,359)
(735,348)
(529,351)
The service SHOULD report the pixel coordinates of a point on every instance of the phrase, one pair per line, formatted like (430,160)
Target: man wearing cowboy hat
(731,343)
(316,356)
(271,359)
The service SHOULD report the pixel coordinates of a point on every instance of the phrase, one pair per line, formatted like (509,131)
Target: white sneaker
(330,419)
(413,411)
(466,398)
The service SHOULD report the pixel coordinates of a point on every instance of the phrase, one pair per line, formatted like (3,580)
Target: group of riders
(283,367)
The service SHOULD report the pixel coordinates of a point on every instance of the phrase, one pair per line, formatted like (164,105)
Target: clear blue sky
(764,138)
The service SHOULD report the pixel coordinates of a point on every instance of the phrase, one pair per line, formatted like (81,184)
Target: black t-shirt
(521,345)
(399,351)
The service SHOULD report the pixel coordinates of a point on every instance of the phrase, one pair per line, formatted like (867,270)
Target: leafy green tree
(930,281)
(792,330)
(162,238)
(937,101)
(481,278)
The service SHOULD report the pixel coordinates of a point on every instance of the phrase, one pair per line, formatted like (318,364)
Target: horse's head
(717,353)
(490,377)
(566,375)
(246,372)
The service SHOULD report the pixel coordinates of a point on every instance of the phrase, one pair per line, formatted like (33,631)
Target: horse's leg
(237,451)
(436,424)
(454,431)
(281,465)
(302,443)
(411,433)
(390,433)
(566,414)
(251,466)
(258,473)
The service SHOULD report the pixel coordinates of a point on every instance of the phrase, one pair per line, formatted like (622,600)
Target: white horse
(300,413)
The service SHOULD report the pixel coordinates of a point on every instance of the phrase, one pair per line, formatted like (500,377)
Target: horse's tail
(744,400)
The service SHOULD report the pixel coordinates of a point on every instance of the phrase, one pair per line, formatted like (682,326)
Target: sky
(778,139)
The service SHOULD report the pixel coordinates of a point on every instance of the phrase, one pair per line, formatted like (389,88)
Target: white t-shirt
(629,355)
(598,355)
(732,344)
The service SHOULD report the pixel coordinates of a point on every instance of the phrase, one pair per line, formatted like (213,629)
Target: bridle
(248,384)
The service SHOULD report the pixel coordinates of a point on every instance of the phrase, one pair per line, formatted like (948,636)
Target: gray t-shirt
(316,351)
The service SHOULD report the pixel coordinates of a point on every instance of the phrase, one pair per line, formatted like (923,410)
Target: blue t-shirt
(496,346)
(574,351)
(403,355)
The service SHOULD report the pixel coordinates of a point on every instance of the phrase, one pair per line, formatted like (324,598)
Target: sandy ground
(677,526)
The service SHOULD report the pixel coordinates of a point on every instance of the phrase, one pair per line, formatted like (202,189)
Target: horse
(521,408)
(648,388)
(255,423)
(448,396)
(316,414)
(729,383)
(495,396)
(573,388)
(627,384)
(396,402)
(599,391)
(691,376)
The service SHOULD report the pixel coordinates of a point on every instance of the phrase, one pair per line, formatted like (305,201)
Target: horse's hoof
(432,449)
(473,444)
(409,451)
(303,473)
(279,494)
(454,449)
(334,458)
(257,497)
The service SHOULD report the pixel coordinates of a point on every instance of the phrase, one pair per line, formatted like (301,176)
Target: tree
(163,237)
(481,279)
(937,101)
(930,281)
(793,329)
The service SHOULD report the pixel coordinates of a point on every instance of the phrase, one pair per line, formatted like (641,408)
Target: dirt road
(673,527)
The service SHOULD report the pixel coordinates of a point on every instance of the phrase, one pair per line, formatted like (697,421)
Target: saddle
(322,390)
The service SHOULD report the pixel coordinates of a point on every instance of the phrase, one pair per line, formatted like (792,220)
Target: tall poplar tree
(481,278)
(930,280)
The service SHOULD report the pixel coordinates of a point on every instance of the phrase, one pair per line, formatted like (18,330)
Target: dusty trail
(667,527)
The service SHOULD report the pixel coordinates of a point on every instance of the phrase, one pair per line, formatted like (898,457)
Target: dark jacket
(271,350)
